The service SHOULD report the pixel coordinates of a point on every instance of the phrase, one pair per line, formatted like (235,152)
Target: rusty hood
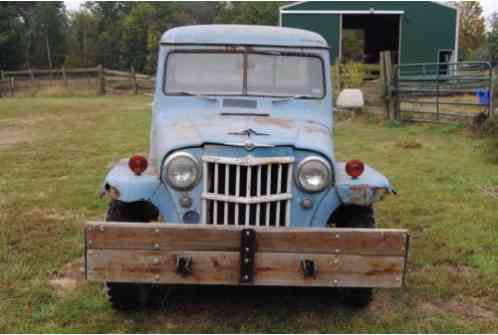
(245,131)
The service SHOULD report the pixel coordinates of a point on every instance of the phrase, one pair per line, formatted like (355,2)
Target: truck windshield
(251,74)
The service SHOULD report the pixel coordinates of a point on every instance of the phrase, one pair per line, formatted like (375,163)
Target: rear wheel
(355,217)
(129,296)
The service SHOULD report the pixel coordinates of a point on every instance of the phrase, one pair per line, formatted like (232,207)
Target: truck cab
(241,145)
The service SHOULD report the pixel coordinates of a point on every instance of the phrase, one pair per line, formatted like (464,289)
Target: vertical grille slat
(247,191)
(205,178)
(288,204)
(215,204)
(237,193)
(279,189)
(248,194)
(258,193)
(227,190)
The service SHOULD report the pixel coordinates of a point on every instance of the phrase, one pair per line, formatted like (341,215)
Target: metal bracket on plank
(247,252)
(184,265)
(309,268)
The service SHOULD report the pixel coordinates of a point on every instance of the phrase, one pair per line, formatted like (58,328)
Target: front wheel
(130,296)
(355,217)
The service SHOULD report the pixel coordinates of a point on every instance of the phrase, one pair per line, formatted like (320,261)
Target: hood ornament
(248,133)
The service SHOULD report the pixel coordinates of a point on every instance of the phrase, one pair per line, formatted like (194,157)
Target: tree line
(123,34)
(477,42)
(115,34)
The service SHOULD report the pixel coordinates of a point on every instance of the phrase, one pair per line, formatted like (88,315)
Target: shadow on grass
(248,309)
(188,299)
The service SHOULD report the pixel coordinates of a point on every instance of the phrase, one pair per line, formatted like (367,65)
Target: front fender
(130,187)
(370,187)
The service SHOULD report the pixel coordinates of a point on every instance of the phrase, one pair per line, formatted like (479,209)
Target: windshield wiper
(293,97)
(195,95)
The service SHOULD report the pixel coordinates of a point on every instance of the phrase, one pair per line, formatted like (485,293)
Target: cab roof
(228,34)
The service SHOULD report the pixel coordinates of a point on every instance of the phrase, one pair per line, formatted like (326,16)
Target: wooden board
(272,269)
(147,253)
(194,237)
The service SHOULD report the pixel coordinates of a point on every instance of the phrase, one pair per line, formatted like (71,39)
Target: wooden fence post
(12,86)
(64,76)
(100,80)
(133,78)
(338,75)
(386,69)
(31,77)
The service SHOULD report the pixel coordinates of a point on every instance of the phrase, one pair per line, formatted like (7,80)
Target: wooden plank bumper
(149,253)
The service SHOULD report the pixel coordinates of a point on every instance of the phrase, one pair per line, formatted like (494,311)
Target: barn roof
(243,35)
(297,3)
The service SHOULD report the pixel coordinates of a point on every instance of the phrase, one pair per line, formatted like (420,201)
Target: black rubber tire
(355,217)
(127,296)
(140,211)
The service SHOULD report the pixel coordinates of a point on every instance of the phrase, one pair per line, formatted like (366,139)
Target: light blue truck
(241,185)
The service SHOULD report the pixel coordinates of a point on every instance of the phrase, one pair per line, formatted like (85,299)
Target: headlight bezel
(328,169)
(170,159)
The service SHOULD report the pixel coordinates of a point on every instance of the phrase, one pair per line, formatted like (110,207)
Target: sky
(489,6)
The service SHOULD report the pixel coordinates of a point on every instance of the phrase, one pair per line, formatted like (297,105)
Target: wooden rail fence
(96,78)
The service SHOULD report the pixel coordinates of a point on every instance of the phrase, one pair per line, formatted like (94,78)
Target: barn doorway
(444,56)
(379,32)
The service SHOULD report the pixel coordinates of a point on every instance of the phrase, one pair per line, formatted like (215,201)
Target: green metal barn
(414,31)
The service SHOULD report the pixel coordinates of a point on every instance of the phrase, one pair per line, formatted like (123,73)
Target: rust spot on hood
(279,122)
(313,128)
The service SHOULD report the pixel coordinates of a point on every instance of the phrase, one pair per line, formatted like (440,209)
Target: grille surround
(247,191)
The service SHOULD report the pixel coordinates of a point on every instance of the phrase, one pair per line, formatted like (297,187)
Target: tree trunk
(26,53)
(49,54)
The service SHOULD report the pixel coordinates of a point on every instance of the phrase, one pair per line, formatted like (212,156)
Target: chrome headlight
(181,170)
(314,174)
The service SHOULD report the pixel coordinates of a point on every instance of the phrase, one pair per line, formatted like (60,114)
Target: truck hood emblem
(249,145)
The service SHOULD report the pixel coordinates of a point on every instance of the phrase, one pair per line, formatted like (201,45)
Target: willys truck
(241,185)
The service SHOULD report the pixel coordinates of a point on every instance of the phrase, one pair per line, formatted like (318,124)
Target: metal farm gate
(442,92)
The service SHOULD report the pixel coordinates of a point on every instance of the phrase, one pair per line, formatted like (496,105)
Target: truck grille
(247,191)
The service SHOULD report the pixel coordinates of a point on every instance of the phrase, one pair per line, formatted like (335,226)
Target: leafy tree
(264,13)
(116,34)
(81,39)
(472,28)
(51,23)
(10,37)
(43,30)
(135,33)
(108,16)
(493,37)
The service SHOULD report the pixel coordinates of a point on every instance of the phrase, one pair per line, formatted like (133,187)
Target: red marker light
(355,168)
(137,164)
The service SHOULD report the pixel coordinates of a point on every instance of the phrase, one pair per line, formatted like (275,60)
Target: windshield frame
(245,52)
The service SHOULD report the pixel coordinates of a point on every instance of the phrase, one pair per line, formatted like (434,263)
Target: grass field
(55,151)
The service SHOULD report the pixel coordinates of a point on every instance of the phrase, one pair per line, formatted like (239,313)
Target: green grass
(55,151)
